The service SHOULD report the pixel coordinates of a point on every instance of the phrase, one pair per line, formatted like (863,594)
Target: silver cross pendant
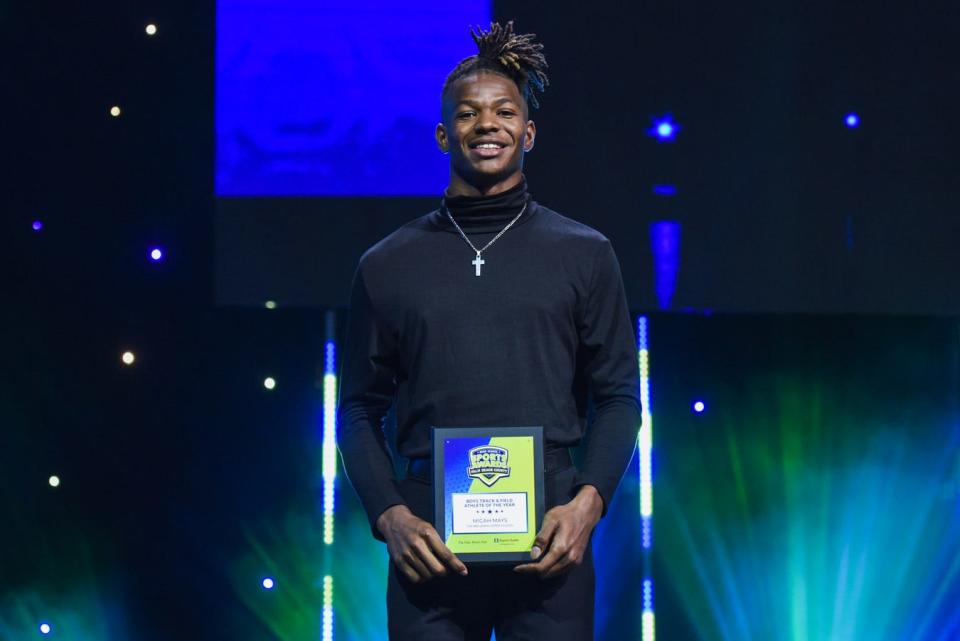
(477,262)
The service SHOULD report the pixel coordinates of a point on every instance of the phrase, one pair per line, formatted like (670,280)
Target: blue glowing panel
(665,239)
(335,98)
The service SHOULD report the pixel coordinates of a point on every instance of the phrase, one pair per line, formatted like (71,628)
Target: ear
(530,136)
(441,136)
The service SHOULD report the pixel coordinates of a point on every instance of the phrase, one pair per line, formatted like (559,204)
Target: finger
(546,562)
(545,536)
(410,558)
(408,571)
(543,541)
(539,568)
(573,556)
(562,565)
(443,553)
(426,556)
(555,553)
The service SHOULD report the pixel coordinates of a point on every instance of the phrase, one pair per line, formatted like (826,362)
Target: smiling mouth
(487,149)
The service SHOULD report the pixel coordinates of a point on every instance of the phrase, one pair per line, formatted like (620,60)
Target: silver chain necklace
(478,261)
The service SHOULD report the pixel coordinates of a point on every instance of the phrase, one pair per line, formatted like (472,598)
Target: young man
(491,310)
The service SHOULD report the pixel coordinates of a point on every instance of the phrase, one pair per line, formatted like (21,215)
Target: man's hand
(565,535)
(415,546)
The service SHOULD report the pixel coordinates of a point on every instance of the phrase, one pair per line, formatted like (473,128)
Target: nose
(485,122)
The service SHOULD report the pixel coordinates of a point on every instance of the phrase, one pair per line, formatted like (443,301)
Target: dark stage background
(816,496)
(781,206)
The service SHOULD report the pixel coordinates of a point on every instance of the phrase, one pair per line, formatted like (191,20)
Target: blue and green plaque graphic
(489,490)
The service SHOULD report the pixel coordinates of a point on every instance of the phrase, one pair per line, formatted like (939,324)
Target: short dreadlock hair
(519,57)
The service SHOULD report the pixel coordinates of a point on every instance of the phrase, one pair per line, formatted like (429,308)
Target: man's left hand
(565,534)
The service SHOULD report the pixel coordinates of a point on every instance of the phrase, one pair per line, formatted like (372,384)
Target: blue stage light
(37,225)
(664,129)
(699,407)
(327,616)
(665,190)
(665,244)
(647,621)
(645,446)
(329,441)
(45,628)
(156,254)
(852,120)
(267,583)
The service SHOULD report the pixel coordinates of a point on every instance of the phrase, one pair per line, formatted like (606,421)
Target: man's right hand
(415,546)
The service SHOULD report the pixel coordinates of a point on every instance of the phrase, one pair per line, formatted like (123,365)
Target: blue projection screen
(335,98)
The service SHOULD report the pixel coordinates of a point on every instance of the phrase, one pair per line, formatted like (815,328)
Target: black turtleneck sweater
(545,323)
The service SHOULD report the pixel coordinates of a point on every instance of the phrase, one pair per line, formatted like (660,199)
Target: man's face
(485,128)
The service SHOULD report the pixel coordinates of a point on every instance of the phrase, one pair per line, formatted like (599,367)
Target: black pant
(518,607)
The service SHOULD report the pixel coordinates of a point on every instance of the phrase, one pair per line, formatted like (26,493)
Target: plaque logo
(488,464)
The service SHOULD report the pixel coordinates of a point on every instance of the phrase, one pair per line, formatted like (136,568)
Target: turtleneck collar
(485,213)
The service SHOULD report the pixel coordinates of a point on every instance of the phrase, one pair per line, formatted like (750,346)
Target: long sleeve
(607,342)
(367,387)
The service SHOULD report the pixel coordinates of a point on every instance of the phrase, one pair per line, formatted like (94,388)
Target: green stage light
(290,548)
(809,516)
(645,447)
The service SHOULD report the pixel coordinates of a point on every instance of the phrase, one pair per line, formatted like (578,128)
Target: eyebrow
(496,103)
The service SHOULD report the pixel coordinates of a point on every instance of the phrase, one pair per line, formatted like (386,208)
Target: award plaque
(488,491)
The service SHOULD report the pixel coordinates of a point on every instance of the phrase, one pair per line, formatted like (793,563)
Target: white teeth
(488,146)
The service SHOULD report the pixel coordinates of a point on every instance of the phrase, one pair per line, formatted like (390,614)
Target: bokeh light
(270,304)
(151,29)
(664,129)
(852,120)
(269,382)
(267,583)
(128,358)
(54,481)
(699,407)
(115,111)
(156,254)
(37,225)
(45,628)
